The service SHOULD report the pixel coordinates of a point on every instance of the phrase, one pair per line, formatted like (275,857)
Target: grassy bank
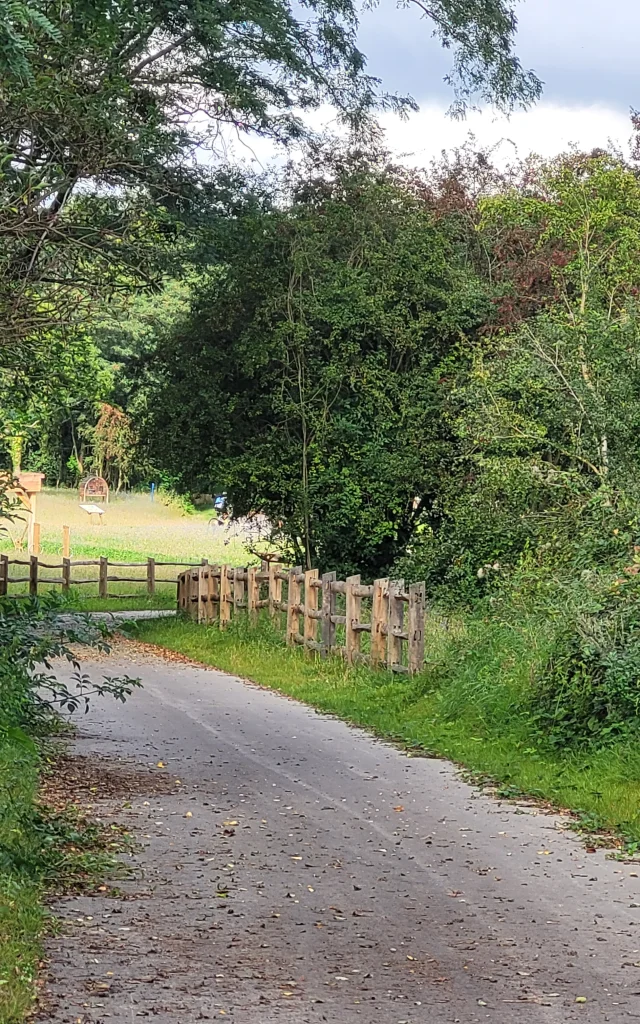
(472,705)
(21,882)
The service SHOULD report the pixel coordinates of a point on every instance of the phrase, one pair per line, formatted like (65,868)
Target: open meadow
(132,529)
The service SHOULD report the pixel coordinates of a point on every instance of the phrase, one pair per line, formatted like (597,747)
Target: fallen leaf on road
(229,823)
(189,814)
(581,999)
(454,892)
(161,764)
(399,808)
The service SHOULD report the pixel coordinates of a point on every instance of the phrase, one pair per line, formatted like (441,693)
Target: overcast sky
(585,51)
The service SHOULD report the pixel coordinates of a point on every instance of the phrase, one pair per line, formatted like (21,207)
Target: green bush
(589,690)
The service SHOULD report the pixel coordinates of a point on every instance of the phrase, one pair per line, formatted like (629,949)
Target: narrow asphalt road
(300,871)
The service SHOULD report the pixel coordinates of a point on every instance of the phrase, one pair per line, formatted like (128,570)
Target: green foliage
(48,403)
(324,345)
(590,690)
(485,68)
(18,20)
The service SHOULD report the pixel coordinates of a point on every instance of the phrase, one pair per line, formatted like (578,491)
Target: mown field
(133,529)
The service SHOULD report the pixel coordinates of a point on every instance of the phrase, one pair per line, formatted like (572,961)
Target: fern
(19,21)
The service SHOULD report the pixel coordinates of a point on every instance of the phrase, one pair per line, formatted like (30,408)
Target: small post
(328,609)
(4,575)
(395,622)
(36,539)
(253,594)
(209,609)
(379,621)
(238,588)
(66,575)
(33,576)
(275,589)
(151,575)
(66,542)
(353,611)
(103,583)
(310,605)
(225,597)
(415,627)
(293,605)
(203,592)
(214,590)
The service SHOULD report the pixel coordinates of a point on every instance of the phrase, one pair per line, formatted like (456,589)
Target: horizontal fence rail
(34,576)
(323,614)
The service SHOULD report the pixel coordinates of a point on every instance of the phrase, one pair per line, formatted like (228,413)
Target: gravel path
(292,869)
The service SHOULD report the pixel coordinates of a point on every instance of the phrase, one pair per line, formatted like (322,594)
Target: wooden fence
(316,607)
(65,578)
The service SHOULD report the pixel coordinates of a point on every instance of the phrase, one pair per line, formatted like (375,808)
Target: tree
(96,177)
(17,19)
(114,98)
(310,380)
(548,415)
(481,36)
(114,445)
(47,403)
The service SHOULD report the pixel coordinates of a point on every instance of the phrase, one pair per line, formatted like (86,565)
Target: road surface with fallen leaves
(291,869)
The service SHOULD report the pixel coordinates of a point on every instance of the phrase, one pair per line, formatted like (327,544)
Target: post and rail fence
(33,567)
(317,608)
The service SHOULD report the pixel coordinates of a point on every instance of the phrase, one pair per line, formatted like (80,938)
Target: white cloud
(547,129)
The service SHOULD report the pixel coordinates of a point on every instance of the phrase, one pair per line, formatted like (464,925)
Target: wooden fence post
(293,605)
(33,576)
(66,575)
(415,627)
(253,594)
(275,589)
(203,592)
(4,575)
(225,596)
(328,609)
(36,539)
(66,542)
(310,605)
(151,575)
(214,591)
(353,611)
(208,609)
(103,583)
(238,588)
(379,621)
(395,623)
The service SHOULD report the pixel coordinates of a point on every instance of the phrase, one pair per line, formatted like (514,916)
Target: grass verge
(471,705)
(21,913)
(41,850)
